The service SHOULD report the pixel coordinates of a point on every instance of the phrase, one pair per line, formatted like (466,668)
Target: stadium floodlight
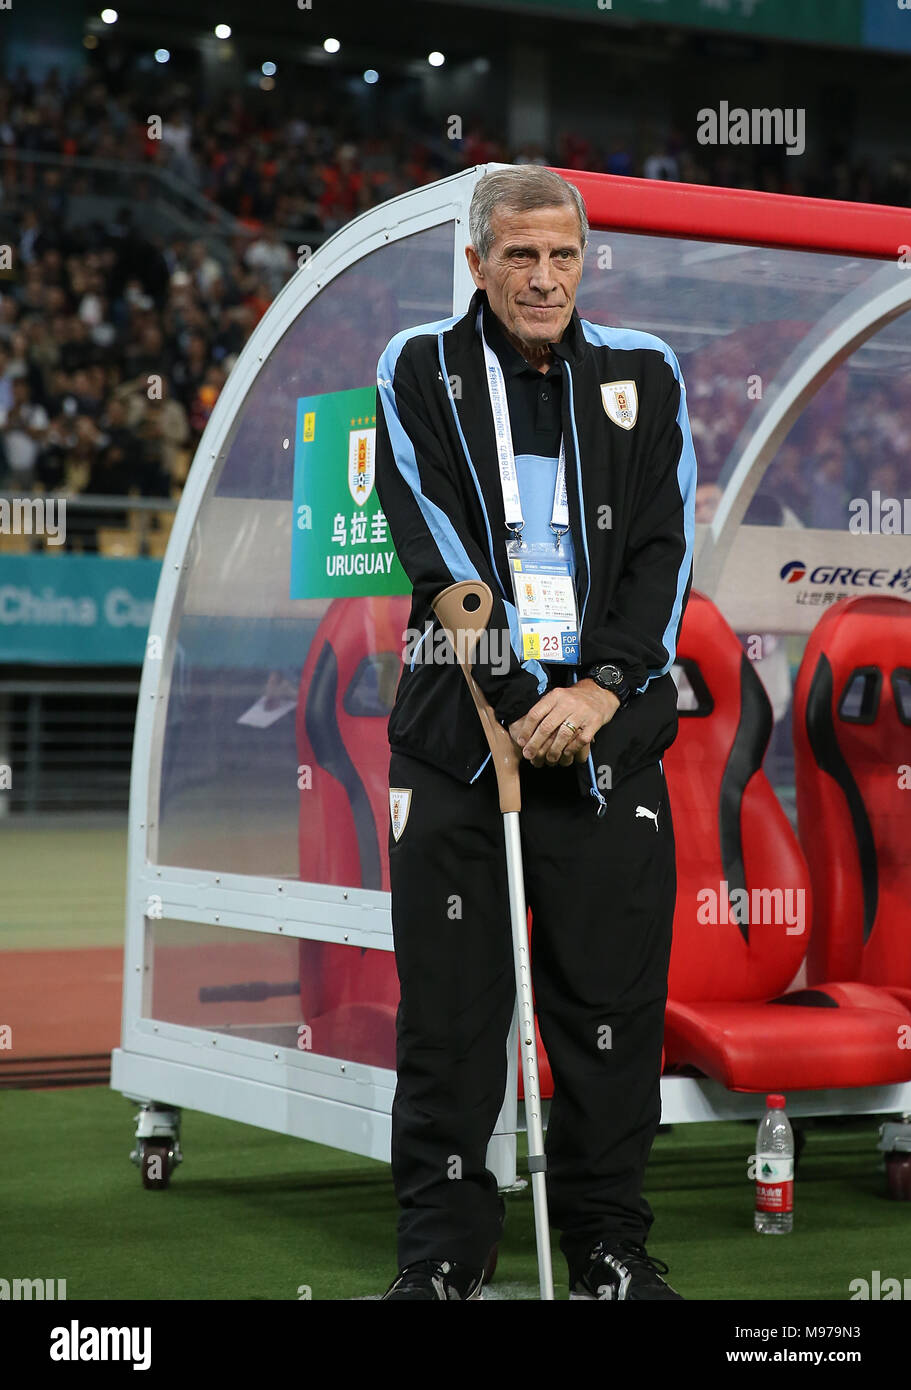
(371,76)
(268,69)
(162,55)
(331,45)
(436,59)
(109,16)
(222,31)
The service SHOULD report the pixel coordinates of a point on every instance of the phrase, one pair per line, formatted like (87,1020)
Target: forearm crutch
(463,611)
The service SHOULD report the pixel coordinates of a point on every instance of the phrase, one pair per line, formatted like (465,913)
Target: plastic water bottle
(774,1171)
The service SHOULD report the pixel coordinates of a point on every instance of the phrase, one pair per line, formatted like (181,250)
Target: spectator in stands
(113,473)
(344,192)
(30,294)
(85,447)
(189,368)
(787,478)
(378,166)
(176,138)
(231,323)
(9,313)
(204,268)
(118,437)
(6,381)
(24,426)
(863,451)
(51,470)
(477,147)
(87,386)
(206,395)
(574,151)
(620,160)
(42,351)
(662,164)
(137,262)
(29,236)
(531,153)
(828,500)
(164,425)
(147,355)
(884,478)
(271,259)
(138,450)
(21,364)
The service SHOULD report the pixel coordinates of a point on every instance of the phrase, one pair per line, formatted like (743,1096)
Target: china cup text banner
(80,609)
(341,547)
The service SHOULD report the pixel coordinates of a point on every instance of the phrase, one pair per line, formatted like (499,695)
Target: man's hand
(543,735)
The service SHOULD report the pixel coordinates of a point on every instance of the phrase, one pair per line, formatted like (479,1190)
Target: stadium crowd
(113,349)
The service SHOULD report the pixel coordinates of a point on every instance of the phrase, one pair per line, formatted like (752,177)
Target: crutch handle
(463,626)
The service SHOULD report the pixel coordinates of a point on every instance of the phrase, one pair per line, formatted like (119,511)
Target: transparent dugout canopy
(229,792)
(224,791)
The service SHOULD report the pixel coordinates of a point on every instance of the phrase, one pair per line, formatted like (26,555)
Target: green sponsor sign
(808,21)
(80,609)
(341,547)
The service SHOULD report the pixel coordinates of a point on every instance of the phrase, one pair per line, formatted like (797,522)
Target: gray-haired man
(561,472)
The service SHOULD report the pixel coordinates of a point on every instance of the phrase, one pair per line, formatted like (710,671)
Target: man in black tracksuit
(597,837)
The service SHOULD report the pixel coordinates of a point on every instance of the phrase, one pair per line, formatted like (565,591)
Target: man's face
(532,272)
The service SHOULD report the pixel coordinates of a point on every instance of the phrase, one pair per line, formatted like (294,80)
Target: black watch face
(610,675)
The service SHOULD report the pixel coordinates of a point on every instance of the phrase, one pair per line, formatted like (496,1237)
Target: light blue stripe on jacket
(626,339)
(452,550)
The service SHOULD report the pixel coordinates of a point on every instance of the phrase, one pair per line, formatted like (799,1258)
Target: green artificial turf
(65,887)
(255,1215)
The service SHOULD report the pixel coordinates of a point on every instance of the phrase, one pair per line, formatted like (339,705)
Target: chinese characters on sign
(900,583)
(341,547)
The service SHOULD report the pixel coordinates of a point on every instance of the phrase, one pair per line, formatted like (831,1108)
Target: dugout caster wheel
(157,1152)
(895,1145)
(898,1176)
(156,1167)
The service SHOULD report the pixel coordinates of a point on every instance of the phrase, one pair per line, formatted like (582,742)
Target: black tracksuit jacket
(438,480)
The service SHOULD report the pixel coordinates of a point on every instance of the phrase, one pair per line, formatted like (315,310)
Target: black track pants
(601,891)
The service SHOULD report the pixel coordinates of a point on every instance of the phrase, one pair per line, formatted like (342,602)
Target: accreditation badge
(544,589)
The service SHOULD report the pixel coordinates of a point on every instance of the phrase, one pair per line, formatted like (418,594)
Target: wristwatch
(611,678)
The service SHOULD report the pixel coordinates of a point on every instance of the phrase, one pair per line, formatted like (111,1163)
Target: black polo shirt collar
(511,360)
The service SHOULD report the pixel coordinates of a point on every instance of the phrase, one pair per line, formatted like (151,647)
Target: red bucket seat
(852,750)
(744,905)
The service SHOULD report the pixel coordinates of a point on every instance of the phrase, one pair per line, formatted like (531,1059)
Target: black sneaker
(619,1269)
(437,1280)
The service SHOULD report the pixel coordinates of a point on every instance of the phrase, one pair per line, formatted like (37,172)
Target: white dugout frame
(338,1102)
